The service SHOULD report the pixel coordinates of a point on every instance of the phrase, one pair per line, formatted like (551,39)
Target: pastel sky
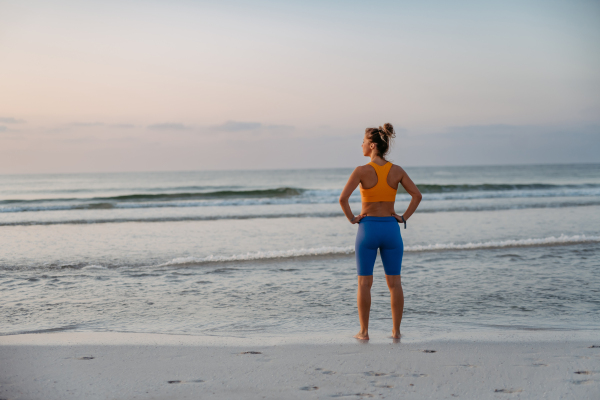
(134,85)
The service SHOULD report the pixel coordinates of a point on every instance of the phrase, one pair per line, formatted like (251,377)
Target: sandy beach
(146,366)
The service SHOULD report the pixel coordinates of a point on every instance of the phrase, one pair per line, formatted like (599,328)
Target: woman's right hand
(399,218)
(356,219)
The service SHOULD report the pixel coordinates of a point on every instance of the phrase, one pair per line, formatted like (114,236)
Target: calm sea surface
(245,253)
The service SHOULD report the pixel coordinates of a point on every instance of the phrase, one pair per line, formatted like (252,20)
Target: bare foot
(396,335)
(361,336)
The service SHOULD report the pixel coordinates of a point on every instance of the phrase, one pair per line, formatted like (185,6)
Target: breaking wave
(329,250)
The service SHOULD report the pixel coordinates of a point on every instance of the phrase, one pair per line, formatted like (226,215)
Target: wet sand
(145,366)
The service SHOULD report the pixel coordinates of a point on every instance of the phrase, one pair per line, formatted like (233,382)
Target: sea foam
(329,250)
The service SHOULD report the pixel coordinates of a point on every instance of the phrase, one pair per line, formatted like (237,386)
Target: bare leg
(363,300)
(397,299)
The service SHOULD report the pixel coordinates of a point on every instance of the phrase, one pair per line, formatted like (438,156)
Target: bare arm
(411,189)
(351,185)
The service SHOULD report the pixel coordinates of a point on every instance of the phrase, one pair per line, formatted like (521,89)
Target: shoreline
(96,365)
(379,337)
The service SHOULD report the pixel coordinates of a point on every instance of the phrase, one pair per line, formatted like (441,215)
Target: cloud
(96,124)
(10,120)
(235,126)
(121,126)
(87,124)
(168,126)
(3,128)
(255,127)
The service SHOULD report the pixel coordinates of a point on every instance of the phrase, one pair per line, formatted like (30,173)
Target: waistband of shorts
(379,219)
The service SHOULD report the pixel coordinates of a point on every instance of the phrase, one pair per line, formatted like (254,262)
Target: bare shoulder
(397,171)
(396,168)
(362,169)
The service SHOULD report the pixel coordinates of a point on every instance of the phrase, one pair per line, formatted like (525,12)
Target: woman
(378,221)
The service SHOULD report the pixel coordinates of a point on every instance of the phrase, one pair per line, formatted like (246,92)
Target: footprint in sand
(309,388)
(508,390)
(373,373)
(383,385)
(585,382)
(410,375)
(325,372)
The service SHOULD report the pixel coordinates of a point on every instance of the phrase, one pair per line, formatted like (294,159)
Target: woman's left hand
(356,219)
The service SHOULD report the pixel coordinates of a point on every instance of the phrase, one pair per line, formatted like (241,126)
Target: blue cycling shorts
(381,233)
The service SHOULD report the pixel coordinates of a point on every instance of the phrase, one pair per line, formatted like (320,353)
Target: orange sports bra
(381,191)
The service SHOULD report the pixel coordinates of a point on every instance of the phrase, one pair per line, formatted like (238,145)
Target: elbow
(343,200)
(418,197)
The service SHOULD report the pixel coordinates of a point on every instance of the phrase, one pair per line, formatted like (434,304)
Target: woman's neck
(378,160)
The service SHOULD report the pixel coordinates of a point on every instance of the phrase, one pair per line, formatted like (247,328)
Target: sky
(128,85)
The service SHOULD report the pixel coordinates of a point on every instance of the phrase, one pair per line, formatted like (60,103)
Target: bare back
(368,179)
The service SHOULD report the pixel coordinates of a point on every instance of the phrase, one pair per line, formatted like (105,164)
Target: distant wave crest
(291,195)
(484,187)
(219,194)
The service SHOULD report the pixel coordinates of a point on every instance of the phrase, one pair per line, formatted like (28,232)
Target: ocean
(269,253)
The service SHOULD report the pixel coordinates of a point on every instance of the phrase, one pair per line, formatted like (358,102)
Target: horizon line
(292,169)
